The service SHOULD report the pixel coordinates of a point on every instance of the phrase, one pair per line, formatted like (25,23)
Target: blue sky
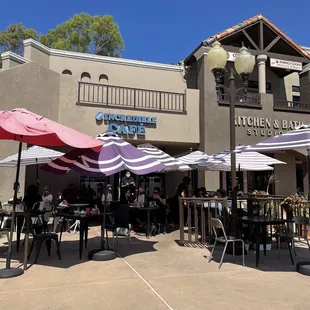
(162,31)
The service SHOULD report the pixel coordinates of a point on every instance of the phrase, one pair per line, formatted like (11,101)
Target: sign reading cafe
(126,124)
(260,126)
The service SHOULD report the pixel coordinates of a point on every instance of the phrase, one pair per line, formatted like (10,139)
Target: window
(68,72)
(296,101)
(85,77)
(268,88)
(103,79)
(296,89)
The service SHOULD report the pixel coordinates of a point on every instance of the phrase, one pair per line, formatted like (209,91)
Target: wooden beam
(272,43)
(250,39)
(261,35)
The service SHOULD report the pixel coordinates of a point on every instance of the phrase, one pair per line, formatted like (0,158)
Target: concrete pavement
(154,274)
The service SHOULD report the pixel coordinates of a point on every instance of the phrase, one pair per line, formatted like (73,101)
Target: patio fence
(196,214)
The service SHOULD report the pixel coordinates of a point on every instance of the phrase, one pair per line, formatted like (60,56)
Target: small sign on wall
(285,64)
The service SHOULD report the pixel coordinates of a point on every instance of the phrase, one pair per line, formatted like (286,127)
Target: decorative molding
(12,56)
(104,59)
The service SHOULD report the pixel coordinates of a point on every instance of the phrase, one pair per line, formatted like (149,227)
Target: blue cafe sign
(126,124)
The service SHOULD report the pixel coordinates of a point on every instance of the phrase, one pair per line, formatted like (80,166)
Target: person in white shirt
(140,198)
(108,197)
(47,197)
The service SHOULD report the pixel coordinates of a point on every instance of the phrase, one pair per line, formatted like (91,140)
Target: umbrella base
(102,255)
(303,268)
(10,273)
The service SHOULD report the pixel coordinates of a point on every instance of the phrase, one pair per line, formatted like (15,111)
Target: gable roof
(246,23)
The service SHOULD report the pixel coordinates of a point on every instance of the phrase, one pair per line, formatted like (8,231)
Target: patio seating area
(155,273)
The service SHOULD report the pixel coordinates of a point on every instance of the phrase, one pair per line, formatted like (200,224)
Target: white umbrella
(202,161)
(171,163)
(31,156)
(247,161)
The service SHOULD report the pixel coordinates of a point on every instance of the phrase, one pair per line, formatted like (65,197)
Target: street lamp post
(244,65)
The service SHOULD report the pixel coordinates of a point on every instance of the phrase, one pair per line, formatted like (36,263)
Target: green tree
(84,33)
(12,38)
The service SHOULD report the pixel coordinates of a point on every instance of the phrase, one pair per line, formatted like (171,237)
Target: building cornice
(12,56)
(103,59)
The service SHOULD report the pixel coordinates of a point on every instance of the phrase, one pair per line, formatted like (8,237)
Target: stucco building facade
(174,107)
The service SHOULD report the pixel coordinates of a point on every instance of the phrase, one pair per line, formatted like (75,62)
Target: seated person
(47,197)
(140,200)
(70,194)
(161,202)
(126,197)
(108,197)
(214,204)
(32,197)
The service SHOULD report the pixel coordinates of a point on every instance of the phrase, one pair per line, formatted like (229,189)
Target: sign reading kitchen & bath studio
(126,124)
(265,127)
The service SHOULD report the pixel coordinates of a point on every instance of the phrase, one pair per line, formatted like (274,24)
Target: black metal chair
(120,219)
(4,231)
(40,237)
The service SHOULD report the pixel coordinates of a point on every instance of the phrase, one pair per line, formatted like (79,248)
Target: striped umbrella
(248,159)
(115,155)
(298,138)
(202,161)
(171,163)
(31,156)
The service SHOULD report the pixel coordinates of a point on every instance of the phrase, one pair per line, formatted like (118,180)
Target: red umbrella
(24,126)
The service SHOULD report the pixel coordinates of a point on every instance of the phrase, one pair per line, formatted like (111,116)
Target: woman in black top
(32,196)
(126,197)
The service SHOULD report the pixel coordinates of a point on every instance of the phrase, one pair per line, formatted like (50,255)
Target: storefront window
(299,178)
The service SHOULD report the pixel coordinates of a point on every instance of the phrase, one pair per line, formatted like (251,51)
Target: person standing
(127,181)
(181,192)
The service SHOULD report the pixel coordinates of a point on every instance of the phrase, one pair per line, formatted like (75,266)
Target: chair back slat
(217,224)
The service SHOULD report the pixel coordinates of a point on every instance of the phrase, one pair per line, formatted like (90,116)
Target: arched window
(67,72)
(85,77)
(103,79)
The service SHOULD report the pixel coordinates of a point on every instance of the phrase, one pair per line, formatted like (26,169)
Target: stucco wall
(181,128)
(34,88)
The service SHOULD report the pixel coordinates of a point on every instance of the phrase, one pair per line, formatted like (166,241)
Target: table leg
(19,225)
(86,233)
(82,227)
(289,246)
(264,228)
(257,241)
(26,243)
(148,224)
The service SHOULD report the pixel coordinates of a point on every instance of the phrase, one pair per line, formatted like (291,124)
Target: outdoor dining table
(263,222)
(148,211)
(84,222)
(20,217)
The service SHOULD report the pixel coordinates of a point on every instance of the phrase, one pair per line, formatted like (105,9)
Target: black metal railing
(241,101)
(126,97)
(292,105)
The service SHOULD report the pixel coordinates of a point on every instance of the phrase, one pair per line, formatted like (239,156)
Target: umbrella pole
(37,174)
(308,168)
(9,272)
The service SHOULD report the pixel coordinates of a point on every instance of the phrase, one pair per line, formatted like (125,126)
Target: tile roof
(254,20)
